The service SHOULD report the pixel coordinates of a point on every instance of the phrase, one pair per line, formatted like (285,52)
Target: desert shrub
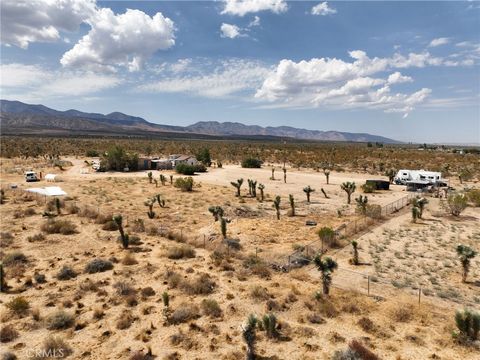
(183,313)
(468,324)
(368,188)
(327,235)
(129,259)
(211,308)
(36,237)
(64,227)
(180,252)
(147,292)
(251,163)
(201,285)
(366,324)
(39,278)
(14,258)
(138,225)
(110,225)
(373,211)
(98,265)
(257,266)
(184,184)
(116,158)
(474,197)
(8,333)
(66,273)
(92,153)
(402,314)
(456,203)
(362,351)
(60,320)
(6,238)
(18,305)
(55,347)
(259,293)
(124,289)
(186,169)
(125,320)
(9,356)
(173,278)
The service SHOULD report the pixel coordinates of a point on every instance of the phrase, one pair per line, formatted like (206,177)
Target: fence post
(368,285)
(419,295)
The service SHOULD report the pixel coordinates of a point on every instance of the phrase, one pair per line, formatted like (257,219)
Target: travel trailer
(404,176)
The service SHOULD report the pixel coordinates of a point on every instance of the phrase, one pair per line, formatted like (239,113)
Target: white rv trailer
(403,176)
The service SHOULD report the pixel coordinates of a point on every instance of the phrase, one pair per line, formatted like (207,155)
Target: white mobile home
(404,176)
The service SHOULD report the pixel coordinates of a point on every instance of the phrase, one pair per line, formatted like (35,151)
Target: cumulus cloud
(224,79)
(121,40)
(230,31)
(439,41)
(27,21)
(243,7)
(345,84)
(323,9)
(31,82)
(254,22)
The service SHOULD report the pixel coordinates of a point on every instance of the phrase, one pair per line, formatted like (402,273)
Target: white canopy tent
(48,191)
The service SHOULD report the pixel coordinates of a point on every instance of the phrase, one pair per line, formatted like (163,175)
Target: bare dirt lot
(116,313)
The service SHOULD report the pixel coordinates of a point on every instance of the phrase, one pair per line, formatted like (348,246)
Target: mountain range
(19,118)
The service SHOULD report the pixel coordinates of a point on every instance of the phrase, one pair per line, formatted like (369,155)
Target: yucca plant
(326,267)
(269,323)
(420,203)
(284,174)
(324,193)
(261,187)
(276,205)
(273,174)
(3,283)
(118,219)
(292,205)
(149,203)
(466,254)
(362,204)
(253,185)
(415,214)
(391,175)
(250,337)
(237,185)
(150,177)
(223,227)
(161,202)
(171,179)
(355,259)
(216,211)
(163,179)
(166,306)
(468,324)
(308,190)
(349,188)
(326,172)
(58,205)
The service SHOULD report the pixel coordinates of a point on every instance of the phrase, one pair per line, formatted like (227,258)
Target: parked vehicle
(404,176)
(31,176)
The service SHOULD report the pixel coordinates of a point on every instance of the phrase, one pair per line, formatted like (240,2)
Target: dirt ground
(115,316)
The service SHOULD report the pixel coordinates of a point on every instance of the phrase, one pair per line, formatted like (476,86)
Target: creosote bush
(66,273)
(184,184)
(55,345)
(59,226)
(201,285)
(98,265)
(211,308)
(183,313)
(8,333)
(60,320)
(19,306)
(180,251)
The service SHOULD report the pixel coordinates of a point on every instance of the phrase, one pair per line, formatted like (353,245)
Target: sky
(406,70)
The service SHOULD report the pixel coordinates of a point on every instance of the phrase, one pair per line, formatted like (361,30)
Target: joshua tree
(324,193)
(3,284)
(261,187)
(292,205)
(355,260)
(349,188)
(160,201)
(216,211)
(308,190)
(465,253)
(269,322)
(326,267)
(249,336)
(150,177)
(327,175)
(252,188)
(362,204)
(237,185)
(420,204)
(273,173)
(223,227)
(118,219)
(149,204)
(468,323)
(284,174)
(156,182)
(171,179)
(276,205)
(415,213)
(58,205)
(391,175)
(166,306)
(163,179)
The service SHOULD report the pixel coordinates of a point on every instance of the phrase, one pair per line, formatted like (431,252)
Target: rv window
(405,174)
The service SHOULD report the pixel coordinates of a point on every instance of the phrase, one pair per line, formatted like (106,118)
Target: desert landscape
(182,288)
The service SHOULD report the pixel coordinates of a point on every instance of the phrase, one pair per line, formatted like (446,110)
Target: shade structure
(48,191)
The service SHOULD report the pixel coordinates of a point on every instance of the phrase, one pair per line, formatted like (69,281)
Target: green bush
(211,308)
(60,320)
(180,252)
(66,273)
(117,158)
(186,169)
(468,324)
(64,227)
(19,306)
(184,184)
(474,197)
(13,258)
(98,265)
(252,163)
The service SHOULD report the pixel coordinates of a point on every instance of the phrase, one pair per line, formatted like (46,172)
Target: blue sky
(406,70)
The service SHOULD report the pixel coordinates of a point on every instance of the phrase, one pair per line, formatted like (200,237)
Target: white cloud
(243,7)
(225,79)
(254,22)
(342,84)
(323,9)
(439,41)
(30,82)
(121,40)
(27,21)
(398,78)
(230,31)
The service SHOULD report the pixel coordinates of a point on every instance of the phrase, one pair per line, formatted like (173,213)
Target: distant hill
(20,118)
